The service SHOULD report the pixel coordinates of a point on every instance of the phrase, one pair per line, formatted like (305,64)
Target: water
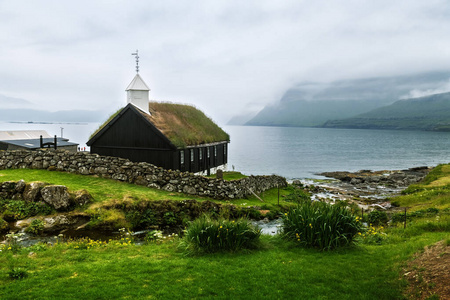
(303,152)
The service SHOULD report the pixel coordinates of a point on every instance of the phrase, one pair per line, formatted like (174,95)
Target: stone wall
(138,173)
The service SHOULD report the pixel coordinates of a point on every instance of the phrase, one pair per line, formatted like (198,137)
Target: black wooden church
(172,136)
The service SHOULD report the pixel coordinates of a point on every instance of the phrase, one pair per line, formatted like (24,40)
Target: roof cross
(136,54)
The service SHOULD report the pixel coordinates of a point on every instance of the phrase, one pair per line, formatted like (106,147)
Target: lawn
(371,269)
(161,271)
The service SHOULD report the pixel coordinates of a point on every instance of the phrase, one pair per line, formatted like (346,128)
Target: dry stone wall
(138,173)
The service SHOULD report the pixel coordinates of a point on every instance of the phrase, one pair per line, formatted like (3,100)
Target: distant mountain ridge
(32,115)
(425,113)
(312,104)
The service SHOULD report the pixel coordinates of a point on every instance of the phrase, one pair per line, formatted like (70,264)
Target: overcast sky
(225,57)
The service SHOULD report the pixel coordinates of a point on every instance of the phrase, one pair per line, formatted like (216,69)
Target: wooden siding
(131,136)
(201,161)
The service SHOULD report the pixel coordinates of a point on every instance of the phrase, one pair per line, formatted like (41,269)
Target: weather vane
(136,54)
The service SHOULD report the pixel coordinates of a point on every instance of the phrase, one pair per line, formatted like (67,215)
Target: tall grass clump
(320,225)
(207,235)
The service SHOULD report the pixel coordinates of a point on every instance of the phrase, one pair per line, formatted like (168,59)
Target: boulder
(20,186)
(32,191)
(56,196)
(65,221)
(82,197)
(189,190)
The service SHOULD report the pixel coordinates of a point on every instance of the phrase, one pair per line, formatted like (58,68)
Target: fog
(224,57)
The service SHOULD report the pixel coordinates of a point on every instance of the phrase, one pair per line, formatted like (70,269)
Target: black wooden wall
(132,137)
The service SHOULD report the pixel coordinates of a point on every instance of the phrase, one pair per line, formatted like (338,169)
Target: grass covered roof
(184,125)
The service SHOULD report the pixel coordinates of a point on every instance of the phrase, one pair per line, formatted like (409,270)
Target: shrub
(17,273)
(297,195)
(320,225)
(19,209)
(13,242)
(36,227)
(373,236)
(205,235)
(4,226)
(153,236)
(140,220)
(376,217)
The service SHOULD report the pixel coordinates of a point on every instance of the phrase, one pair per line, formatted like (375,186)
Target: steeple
(137,90)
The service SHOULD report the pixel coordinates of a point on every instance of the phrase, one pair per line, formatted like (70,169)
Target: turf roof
(183,125)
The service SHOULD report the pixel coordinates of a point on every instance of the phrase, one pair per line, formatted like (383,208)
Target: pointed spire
(137,90)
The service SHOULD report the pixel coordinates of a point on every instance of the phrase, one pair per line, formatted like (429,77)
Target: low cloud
(417,93)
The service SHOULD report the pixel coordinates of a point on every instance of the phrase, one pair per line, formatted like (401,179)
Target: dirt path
(428,273)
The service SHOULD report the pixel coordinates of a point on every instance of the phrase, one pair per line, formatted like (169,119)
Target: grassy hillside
(304,113)
(314,103)
(425,113)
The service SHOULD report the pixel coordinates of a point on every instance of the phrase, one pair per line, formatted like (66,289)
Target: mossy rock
(4,226)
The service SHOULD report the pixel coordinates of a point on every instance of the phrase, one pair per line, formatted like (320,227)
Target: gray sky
(224,57)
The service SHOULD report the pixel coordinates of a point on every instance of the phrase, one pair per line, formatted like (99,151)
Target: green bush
(141,220)
(320,225)
(4,226)
(377,218)
(19,209)
(36,227)
(206,235)
(297,195)
(17,273)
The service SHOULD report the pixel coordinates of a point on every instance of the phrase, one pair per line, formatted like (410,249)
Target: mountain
(312,104)
(303,113)
(32,115)
(424,113)
(11,102)
(241,119)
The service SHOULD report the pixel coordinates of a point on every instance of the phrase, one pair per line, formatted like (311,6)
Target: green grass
(100,188)
(106,189)
(432,192)
(277,270)
(230,175)
(185,125)
(160,271)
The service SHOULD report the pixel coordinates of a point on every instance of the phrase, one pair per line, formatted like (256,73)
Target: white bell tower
(137,90)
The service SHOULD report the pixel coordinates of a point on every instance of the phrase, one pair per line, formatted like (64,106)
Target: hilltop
(425,113)
(311,104)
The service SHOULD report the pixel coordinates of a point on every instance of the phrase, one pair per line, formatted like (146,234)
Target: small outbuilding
(33,140)
(168,135)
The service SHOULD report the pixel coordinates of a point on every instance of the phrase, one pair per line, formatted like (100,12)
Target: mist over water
(295,152)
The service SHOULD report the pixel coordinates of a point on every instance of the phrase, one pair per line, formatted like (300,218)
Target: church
(168,135)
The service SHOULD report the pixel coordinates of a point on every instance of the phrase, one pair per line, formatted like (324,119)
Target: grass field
(160,271)
(371,269)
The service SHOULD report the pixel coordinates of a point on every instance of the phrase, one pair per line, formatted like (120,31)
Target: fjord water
(295,152)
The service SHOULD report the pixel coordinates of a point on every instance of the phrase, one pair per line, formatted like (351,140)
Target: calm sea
(304,152)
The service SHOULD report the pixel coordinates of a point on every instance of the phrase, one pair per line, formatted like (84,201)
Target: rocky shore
(366,188)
